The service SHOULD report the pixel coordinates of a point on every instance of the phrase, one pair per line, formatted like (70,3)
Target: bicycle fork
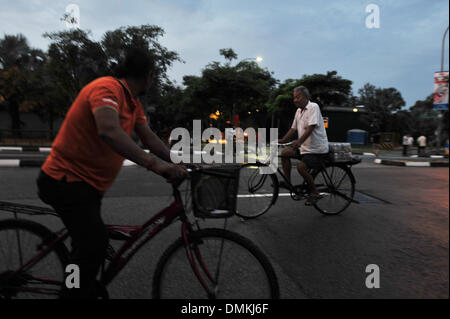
(198,264)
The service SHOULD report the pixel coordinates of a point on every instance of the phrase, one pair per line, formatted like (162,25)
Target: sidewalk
(34,156)
(395,158)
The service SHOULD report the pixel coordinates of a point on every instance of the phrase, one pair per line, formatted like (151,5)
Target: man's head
(301,96)
(137,68)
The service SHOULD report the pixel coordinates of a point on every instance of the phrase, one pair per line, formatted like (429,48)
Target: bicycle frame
(138,236)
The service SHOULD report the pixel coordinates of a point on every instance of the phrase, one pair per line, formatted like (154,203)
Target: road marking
(10,148)
(418,164)
(261,195)
(128,163)
(10,163)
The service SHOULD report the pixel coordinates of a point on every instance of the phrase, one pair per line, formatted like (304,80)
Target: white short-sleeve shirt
(317,142)
(422,140)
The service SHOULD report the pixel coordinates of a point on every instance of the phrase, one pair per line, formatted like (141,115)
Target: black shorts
(313,160)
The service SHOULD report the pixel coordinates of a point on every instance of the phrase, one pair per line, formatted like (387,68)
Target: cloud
(294,37)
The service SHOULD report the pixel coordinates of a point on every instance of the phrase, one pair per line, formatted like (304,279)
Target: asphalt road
(401,225)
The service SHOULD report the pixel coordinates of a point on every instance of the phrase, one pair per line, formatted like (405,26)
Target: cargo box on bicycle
(340,152)
(214,191)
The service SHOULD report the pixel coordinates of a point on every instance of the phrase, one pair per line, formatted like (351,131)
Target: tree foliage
(380,104)
(325,89)
(241,89)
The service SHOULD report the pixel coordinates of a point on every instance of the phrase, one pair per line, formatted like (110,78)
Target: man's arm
(152,141)
(110,131)
(288,135)
(304,136)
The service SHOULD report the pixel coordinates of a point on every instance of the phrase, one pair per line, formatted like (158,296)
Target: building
(339,120)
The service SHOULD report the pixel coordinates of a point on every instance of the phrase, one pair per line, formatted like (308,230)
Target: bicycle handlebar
(281,144)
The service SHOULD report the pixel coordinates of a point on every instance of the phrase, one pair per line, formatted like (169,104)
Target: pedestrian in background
(376,143)
(422,142)
(406,143)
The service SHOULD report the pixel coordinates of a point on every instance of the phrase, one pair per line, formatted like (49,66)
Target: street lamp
(258,59)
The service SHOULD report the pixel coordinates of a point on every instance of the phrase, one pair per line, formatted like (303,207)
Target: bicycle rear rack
(26,209)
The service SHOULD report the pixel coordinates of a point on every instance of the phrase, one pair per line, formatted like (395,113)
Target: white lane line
(9,163)
(128,163)
(10,148)
(418,164)
(261,195)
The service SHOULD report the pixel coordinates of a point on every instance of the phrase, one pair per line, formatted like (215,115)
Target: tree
(115,44)
(425,120)
(19,65)
(241,89)
(381,104)
(228,54)
(325,89)
(74,61)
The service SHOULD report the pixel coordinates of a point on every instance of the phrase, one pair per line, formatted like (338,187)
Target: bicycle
(203,263)
(259,192)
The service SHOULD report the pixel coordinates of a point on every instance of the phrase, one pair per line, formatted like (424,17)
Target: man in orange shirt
(88,153)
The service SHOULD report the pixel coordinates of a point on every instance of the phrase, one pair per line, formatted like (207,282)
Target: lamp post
(443,50)
(441,113)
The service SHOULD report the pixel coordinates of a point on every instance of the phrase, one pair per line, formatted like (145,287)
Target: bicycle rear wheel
(337,184)
(20,241)
(257,192)
(229,265)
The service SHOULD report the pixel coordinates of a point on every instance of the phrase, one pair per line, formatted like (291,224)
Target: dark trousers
(421,151)
(78,204)
(405,150)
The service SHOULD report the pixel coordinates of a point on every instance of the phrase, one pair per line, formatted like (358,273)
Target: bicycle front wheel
(218,264)
(257,192)
(337,185)
(21,243)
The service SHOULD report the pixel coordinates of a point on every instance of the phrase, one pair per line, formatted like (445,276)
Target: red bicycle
(202,263)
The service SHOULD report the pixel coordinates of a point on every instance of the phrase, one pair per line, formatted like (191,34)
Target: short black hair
(138,64)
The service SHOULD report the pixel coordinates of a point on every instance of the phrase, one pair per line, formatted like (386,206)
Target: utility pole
(441,112)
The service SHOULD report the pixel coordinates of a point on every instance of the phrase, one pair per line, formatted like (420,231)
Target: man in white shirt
(407,142)
(422,141)
(312,142)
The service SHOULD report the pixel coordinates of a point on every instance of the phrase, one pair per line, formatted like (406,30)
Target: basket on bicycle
(214,191)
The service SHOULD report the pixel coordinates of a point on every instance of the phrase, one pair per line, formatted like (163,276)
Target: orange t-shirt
(78,152)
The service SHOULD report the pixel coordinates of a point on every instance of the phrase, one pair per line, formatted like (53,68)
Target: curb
(411,164)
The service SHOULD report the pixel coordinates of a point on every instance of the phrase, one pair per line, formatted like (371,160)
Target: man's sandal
(311,200)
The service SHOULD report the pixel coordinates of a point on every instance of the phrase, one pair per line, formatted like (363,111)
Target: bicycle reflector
(214,191)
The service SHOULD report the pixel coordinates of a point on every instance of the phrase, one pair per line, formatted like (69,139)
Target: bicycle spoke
(336,181)
(42,279)
(256,191)
(237,272)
